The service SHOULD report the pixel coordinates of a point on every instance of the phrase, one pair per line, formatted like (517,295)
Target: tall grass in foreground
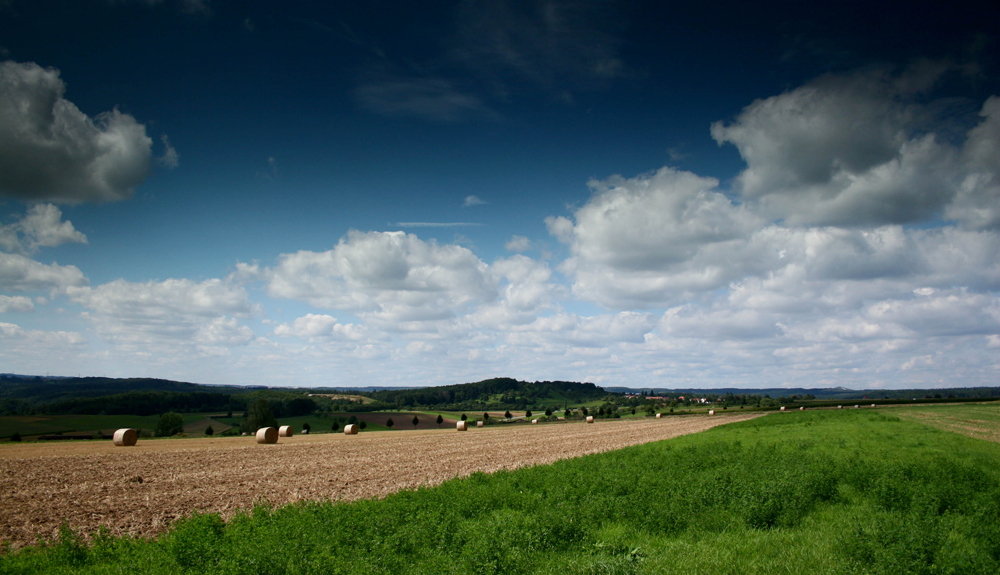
(814,492)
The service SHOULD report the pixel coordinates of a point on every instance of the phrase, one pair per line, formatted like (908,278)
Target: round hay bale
(463,425)
(802,409)
(479,424)
(856,406)
(873,405)
(659,415)
(285,431)
(782,408)
(351,429)
(840,407)
(590,419)
(125,437)
(711,412)
(267,435)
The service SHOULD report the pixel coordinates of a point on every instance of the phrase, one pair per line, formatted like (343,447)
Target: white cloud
(427,98)
(518,244)
(23,274)
(844,150)
(15,303)
(472,201)
(170,158)
(978,201)
(390,276)
(51,151)
(168,313)
(319,326)
(42,226)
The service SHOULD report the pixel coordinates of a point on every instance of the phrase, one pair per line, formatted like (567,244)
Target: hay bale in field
(802,409)
(285,431)
(534,421)
(590,419)
(267,435)
(659,415)
(856,406)
(479,424)
(711,412)
(351,429)
(840,407)
(463,425)
(782,408)
(125,437)
(873,405)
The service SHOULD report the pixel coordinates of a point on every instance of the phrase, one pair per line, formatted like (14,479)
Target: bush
(389,423)
(415,421)
(362,425)
(464,417)
(209,430)
(548,412)
(306,427)
(334,427)
(440,420)
(507,415)
(257,415)
(527,413)
(170,423)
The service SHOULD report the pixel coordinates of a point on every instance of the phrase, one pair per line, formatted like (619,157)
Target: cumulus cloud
(518,244)
(42,226)
(392,276)
(844,150)
(472,201)
(51,151)
(170,312)
(15,303)
(319,326)
(24,274)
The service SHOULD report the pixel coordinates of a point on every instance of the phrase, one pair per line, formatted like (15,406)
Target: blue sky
(634,194)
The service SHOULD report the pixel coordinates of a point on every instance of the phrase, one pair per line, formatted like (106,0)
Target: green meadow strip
(813,492)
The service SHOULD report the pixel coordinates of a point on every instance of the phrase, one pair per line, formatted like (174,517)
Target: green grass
(801,492)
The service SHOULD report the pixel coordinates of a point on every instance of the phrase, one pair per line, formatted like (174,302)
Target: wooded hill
(496,393)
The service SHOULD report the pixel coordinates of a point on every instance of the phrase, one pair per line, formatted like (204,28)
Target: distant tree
(257,415)
(567,413)
(600,411)
(334,427)
(209,430)
(633,411)
(15,437)
(548,412)
(389,423)
(306,427)
(583,410)
(464,417)
(486,417)
(415,421)
(527,413)
(507,414)
(170,423)
(440,420)
(362,425)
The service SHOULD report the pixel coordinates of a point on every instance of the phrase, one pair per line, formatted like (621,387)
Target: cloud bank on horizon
(857,244)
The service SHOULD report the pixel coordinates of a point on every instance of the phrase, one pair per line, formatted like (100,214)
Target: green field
(852,491)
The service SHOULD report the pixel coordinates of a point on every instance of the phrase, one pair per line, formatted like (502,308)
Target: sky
(427,193)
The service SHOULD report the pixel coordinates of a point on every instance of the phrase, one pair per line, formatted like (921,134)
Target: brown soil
(141,490)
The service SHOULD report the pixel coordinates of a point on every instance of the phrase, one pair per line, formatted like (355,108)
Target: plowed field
(141,490)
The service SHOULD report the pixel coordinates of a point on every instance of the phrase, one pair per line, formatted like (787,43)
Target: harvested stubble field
(141,490)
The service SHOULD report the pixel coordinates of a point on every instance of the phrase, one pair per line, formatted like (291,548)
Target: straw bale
(590,419)
(267,435)
(125,437)
(285,431)
(873,405)
(534,421)
(782,408)
(659,415)
(840,407)
(711,412)
(479,424)
(351,429)
(462,426)
(802,409)
(856,406)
